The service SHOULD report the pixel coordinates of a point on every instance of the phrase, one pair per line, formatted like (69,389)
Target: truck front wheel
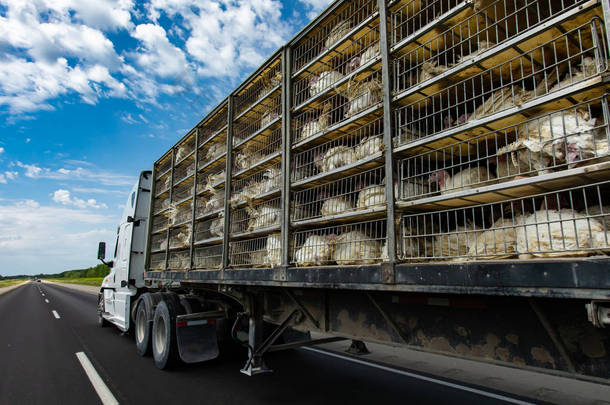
(142,329)
(164,347)
(100,310)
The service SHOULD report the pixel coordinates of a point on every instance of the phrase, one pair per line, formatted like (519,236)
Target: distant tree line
(101,270)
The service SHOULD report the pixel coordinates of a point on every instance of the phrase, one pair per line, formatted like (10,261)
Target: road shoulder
(4,290)
(84,288)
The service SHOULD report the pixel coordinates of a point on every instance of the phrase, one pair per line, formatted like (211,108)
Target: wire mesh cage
(212,179)
(179,213)
(183,190)
(184,169)
(213,125)
(348,195)
(180,237)
(363,143)
(256,185)
(265,113)
(412,16)
(358,96)
(550,67)
(331,33)
(362,51)
(179,261)
(562,139)
(261,87)
(256,217)
(185,148)
(212,228)
(158,242)
(568,223)
(161,202)
(157,261)
(257,150)
(360,243)
(210,203)
(265,251)
(491,23)
(208,257)
(162,167)
(162,184)
(159,223)
(212,150)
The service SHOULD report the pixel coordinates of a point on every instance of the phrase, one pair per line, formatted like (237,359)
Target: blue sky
(92,92)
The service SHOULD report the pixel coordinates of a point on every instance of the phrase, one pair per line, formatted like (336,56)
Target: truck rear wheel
(164,347)
(142,329)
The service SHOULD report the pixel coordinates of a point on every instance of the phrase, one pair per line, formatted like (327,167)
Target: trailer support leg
(358,348)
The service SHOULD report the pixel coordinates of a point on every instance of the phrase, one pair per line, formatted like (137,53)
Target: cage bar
(256,185)
(572,222)
(207,258)
(265,251)
(359,243)
(256,217)
(564,61)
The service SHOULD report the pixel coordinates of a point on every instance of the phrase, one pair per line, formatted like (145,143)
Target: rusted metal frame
(286,144)
(171,193)
(305,343)
(606,11)
(552,334)
(389,320)
(150,219)
(294,315)
(302,308)
(228,172)
(194,208)
(387,140)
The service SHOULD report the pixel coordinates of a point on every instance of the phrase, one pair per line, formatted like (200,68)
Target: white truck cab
(127,266)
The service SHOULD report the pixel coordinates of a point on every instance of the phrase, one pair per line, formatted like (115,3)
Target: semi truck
(427,174)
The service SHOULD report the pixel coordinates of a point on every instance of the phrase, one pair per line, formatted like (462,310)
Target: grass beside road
(8,283)
(94,281)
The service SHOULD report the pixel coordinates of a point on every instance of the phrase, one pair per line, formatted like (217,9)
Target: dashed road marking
(55,314)
(46,300)
(100,387)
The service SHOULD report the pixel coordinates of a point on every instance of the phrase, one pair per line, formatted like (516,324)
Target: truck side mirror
(101,251)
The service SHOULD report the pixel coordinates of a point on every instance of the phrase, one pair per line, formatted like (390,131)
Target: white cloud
(1,150)
(4,177)
(227,36)
(98,176)
(37,238)
(62,196)
(315,6)
(27,140)
(157,55)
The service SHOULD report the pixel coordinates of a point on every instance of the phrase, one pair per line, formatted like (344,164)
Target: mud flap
(197,340)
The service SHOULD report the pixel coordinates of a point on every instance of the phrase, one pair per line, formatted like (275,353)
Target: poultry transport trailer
(433,174)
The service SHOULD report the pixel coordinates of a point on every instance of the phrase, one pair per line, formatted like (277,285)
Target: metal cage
(265,251)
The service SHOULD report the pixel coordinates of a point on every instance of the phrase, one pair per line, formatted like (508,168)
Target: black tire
(164,347)
(101,322)
(142,329)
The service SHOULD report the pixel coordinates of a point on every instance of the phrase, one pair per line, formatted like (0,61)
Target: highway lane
(40,365)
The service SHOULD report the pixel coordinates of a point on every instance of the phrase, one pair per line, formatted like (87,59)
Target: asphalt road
(38,364)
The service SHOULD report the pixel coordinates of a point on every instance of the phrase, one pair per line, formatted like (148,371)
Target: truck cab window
(133,198)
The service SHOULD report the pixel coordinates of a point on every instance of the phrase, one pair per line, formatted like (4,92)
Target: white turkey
(263,216)
(482,47)
(190,169)
(273,250)
(214,150)
(430,69)
(246,158)
(560,233)
(319,124)
(182,238)
(336,206)
(502,99)
(451,245)
(362,96)
(268,118)
(214,179)
(371,196)
(269,84)
(411,188)
(182,151)
(217,226)
(337,32)
(365,57)
(497,242)
(369,146)
(585,69)
(355,247)
(599,213)
(462,180)
(334,158)
(216,201)
(319,83)
(316,251)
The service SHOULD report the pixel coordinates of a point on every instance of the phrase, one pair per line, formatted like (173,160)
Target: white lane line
(424,378)
(55,314)
(43,295)
(46,300)
(102,390)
